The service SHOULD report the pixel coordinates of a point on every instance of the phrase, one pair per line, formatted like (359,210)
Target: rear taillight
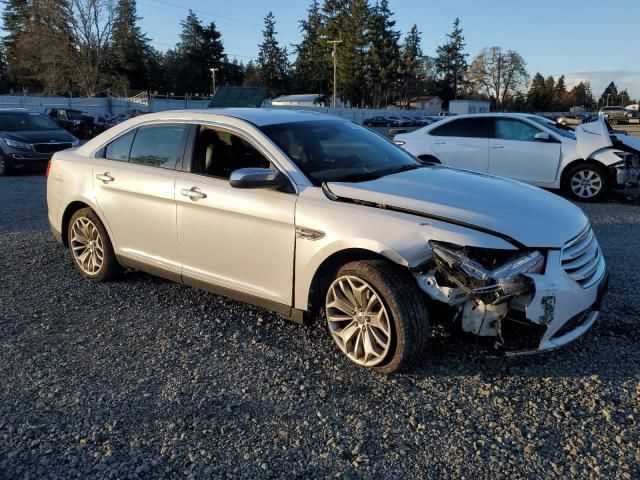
(46,174)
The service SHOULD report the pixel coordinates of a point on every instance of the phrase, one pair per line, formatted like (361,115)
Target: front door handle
(439,143)
(497,146)
(105,177)
(193,193)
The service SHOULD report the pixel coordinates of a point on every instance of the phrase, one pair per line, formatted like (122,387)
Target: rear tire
(377,316)
(91,249)
(586,182)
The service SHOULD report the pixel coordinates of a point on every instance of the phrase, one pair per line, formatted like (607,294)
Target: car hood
(38,136)
(533,217)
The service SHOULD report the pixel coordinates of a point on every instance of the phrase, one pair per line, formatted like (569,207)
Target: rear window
(463,127)
(157,145)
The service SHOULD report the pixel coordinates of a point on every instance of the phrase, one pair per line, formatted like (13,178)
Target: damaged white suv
(304,213)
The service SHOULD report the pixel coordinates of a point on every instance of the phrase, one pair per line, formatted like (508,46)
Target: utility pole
(335,69)
(213,81)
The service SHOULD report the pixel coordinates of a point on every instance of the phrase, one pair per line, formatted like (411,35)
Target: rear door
(134,181)
(462,143)
(515,153)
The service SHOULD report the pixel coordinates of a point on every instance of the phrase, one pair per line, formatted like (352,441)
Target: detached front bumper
(561,310)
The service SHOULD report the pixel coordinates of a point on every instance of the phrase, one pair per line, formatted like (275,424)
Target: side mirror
(542,137)
(257,178)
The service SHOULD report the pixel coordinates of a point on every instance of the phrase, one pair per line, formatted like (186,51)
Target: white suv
(303,213)
(531,149)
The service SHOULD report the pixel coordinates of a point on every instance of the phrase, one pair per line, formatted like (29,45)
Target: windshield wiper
(366,176)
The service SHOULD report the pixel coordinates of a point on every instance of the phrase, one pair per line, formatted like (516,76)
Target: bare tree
(497,74)
(91,24)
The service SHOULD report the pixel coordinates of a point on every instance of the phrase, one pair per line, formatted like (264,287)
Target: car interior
(218,153)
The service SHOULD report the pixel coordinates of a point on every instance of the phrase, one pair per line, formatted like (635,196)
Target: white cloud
(599,79)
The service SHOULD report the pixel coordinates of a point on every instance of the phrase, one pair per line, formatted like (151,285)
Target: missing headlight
(493,276)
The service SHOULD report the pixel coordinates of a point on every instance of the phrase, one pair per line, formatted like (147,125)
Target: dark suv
(80,124)
(617,115)
(28,139)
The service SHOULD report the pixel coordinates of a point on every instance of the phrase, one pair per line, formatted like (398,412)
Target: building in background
(430,105)
(461,107)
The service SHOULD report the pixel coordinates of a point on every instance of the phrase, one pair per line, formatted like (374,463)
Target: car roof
(255,116)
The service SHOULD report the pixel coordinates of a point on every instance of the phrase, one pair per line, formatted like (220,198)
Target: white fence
(113,105)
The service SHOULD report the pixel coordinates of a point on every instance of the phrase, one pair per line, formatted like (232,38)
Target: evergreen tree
(582,95)
(273,64)
(383,60)
(251,75)
(610,95)
(451,63)
(311,68)
(130,47)
(15,18)
(536,97)
(352,67)
(412,78)
(561,101)
(199,49)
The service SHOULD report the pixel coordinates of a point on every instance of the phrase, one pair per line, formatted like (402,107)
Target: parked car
(616,115)
(341,222)
(402,121)
(421,121)
(571,120)
(78,123)
(28,139)
(107,121)
(529,148)
(381,121)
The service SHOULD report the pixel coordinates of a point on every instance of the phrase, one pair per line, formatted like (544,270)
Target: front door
(236,239)
(515,153)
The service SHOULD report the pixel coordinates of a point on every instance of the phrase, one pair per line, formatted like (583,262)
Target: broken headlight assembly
(493,276)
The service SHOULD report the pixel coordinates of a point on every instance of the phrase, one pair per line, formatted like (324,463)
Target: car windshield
(339,151)
(13,121)
(74,114)
(551,125)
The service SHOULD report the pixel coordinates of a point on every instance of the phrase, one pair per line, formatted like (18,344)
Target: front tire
(5,166)
(91,250)
(376,315)
(586,182)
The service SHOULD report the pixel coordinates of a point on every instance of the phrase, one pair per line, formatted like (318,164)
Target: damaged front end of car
(494,293)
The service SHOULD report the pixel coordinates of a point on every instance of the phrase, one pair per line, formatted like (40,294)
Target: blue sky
(583,40)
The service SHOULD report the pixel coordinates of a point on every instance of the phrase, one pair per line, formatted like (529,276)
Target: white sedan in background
(532,149)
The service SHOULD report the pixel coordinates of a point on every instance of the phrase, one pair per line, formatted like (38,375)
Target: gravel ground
(142,378)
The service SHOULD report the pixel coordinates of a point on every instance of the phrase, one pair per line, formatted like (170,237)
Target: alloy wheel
(86,246)
(586,183)
(358,320)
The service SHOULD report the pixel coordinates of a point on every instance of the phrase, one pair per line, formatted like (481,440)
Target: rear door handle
(105,177)
(497,146)
(439,143)
(193,193)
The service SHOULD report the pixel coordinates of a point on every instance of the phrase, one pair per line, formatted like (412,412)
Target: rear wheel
(376,315)
(90,246)
(586,182)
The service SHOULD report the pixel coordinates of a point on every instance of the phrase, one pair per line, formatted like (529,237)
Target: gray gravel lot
(142,378)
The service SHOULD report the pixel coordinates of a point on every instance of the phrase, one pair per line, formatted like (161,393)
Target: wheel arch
(567,168)
(330,266)
(72,208)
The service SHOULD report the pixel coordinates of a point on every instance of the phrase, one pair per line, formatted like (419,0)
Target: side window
(463,127)
(511,129)
(157,145)
(218,153)
(119,149)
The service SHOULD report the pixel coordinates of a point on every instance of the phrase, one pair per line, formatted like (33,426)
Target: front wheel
(586,182)
(90,246)
(5,168)
(376,315)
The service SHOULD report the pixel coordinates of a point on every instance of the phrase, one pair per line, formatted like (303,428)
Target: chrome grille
(582,259)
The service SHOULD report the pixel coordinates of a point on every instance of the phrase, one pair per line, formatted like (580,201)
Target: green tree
(561,98)
(541,93)
(130,47)
(199,50)
(311,68)
(610,95)
(383,60)
(412,68)
(272,64)
(352,69)
(451,63)
(15,18)
(582,95)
